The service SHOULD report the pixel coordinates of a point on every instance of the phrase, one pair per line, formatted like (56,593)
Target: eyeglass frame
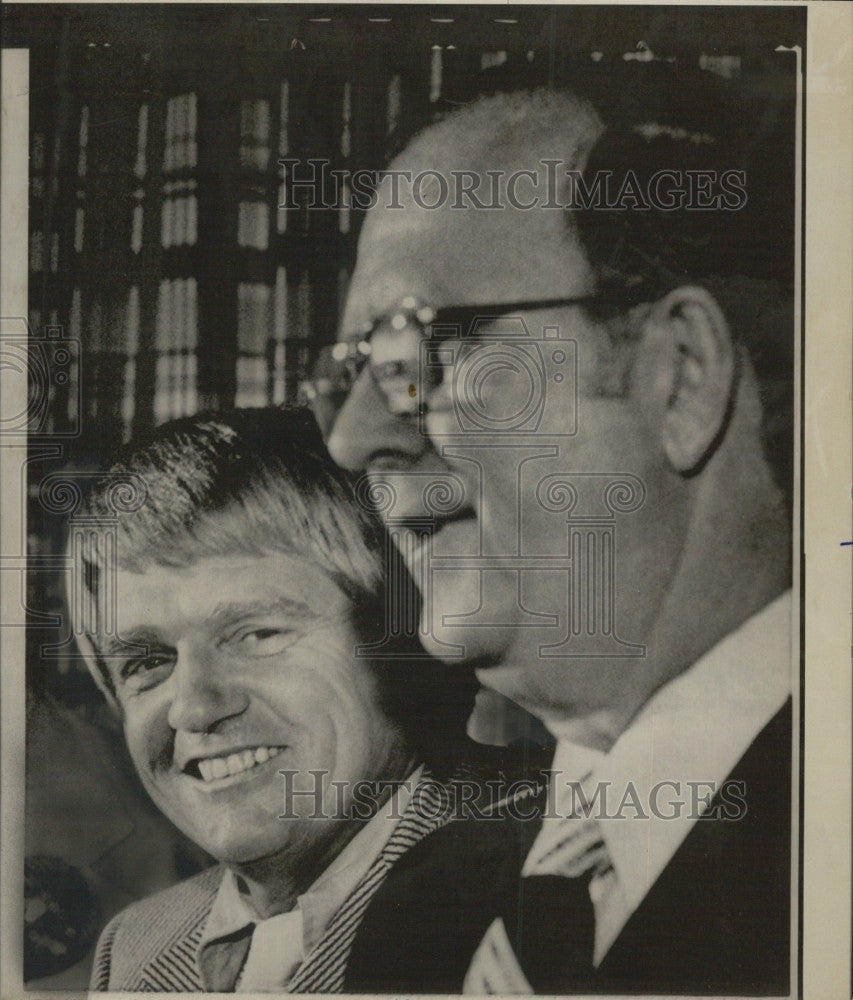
(357,347)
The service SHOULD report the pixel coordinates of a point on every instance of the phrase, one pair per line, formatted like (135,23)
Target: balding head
(455,192)
(509,132)
(642,381)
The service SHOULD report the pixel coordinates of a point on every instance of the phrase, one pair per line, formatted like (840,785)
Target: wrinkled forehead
(428,236)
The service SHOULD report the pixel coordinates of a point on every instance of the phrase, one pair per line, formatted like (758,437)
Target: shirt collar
(694,729)
(231,911)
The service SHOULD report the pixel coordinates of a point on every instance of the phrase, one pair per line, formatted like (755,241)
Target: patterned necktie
(556,919)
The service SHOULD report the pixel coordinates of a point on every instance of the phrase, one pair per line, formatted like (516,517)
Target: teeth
(220,767)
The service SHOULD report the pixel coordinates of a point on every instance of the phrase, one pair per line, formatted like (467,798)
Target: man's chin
(467,615)
(466,646)
(247,854)
(512,681)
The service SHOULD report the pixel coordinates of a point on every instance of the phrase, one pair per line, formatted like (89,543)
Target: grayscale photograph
(410,575)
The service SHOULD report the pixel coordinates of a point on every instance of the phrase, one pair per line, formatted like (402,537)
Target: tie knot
(569,848)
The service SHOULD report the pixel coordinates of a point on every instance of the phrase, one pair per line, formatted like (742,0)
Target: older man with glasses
(585,377)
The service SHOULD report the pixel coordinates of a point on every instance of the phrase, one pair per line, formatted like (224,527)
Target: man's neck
(273,884)
(735,562)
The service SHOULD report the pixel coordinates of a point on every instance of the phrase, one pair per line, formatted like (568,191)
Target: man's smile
(211,770)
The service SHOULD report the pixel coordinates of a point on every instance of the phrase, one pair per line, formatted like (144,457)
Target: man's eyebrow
(230,612)
(130,643)
(223,614)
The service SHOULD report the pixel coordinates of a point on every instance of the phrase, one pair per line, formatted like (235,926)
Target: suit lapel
(172,963)
(718,918)
(716,921)
(323,970)
(176,967)
(437,904)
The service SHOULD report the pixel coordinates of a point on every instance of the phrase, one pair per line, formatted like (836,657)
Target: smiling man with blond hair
(232,596)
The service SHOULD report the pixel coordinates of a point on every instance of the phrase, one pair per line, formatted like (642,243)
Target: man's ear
(93,662)
(699,373)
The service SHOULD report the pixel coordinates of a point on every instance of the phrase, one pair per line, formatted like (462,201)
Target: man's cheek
(149,738)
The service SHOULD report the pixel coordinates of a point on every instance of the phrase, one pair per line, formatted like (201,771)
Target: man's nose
(203,695)
(365,426)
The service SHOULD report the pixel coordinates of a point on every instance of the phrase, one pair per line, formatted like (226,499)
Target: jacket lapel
(430,916)
(172,963)
(323,970)
(176,967)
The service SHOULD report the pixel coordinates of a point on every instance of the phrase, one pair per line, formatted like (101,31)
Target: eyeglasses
(393,350)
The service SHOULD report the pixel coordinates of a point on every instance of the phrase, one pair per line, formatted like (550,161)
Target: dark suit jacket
(717,921)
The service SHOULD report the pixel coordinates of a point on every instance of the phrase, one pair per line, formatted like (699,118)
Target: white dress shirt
(282,942)
(693,730)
